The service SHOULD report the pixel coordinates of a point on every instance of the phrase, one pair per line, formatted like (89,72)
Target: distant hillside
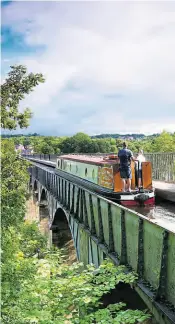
(119,136)
(125,136)
(19,135)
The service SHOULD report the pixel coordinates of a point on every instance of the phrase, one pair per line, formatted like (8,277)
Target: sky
(109,66)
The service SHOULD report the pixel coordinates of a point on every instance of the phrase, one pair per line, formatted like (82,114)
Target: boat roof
(89,159)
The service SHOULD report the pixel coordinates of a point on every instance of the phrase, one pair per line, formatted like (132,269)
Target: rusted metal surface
(105,177)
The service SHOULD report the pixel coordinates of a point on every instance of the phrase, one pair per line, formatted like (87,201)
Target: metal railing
(47,157)
(163,164)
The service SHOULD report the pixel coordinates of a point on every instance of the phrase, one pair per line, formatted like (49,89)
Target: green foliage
(46,149)
(31,239)
(76,144)
(164,143)
(13,90)
(44,296)
(115,314)
(15,268)
(82,143)
(14,179)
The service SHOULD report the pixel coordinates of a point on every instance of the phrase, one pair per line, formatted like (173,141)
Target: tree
(13,90)
(14,178)
(42,292)
(164,143)
(46,149)
(80,143)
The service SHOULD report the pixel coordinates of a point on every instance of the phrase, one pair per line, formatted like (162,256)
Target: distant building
(27,151)
(19,148)
(24,149)
(126,138)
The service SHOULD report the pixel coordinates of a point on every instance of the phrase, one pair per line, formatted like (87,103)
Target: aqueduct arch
(43,205)
(35,186)
(61,234)
(35,192)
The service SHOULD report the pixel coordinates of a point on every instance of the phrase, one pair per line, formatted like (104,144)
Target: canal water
(163,211)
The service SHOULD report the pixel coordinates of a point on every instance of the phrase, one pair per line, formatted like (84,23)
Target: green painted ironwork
(103,227)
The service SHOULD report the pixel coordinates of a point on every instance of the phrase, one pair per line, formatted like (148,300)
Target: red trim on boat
(150,201)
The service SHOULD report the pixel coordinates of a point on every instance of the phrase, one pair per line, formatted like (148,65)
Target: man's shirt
(125,156)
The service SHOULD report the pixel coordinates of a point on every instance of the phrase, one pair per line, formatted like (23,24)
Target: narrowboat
(102,175)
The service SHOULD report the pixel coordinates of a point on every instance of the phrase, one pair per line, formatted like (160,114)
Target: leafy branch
(13,90)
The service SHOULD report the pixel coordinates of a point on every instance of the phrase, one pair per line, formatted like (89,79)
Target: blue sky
(109,66)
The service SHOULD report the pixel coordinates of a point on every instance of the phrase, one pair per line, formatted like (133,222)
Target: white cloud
(113,47)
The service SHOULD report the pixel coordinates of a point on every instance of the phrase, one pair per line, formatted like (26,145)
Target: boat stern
(138,199)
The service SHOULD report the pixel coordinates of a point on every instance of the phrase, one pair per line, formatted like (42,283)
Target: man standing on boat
(125,155)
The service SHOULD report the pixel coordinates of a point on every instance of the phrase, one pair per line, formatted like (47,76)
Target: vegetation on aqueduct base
(37,289)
